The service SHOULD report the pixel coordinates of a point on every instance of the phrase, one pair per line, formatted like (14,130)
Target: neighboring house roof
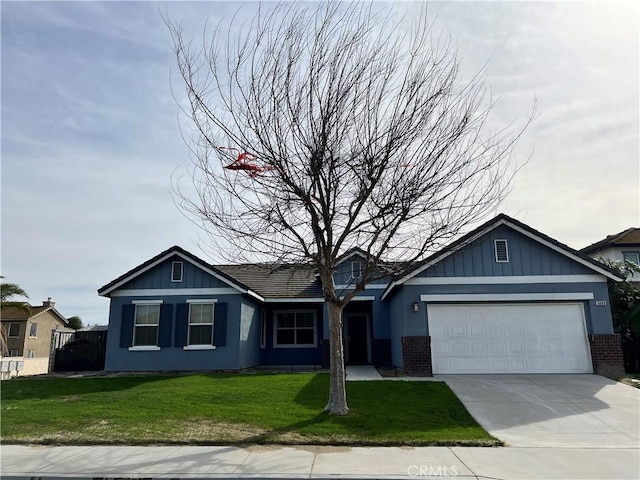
(627,238)
(526,230)
(94,328)
(13,313)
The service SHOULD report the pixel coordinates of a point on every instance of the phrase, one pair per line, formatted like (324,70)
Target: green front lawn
(231,409)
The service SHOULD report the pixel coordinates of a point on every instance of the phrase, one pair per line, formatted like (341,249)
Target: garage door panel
(497,347)
(516,347)
(553,347)
(495,331)
(499,364)
(477,330)
(534,348)
(457,330)
(478,348)
(509,338)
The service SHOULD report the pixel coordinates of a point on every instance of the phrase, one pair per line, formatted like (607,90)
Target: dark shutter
(182,324)
(220,325)
(166,325)
(126,325)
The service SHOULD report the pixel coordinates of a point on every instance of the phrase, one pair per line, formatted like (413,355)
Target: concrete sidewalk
(319,462)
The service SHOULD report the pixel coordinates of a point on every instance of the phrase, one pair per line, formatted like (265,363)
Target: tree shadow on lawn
(382,413)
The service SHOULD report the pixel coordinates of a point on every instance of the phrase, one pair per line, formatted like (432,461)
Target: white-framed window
(31,353)
(631,257)
(14,330)
(146,325)
(176,271)
(356,269)
(33,330)
(501,250)
(14,353)
(201,317)
(294,328)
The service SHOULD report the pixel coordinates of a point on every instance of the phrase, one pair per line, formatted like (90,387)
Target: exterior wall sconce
(415,306)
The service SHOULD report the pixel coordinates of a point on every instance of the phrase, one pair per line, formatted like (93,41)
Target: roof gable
(17,314)
(560,250)
(142,274)
(354,254)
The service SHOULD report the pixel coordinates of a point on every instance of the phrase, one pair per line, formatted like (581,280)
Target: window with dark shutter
(176,272)
(502,252)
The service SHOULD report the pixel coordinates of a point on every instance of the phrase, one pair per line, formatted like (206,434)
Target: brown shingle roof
(628,237)
(277,281)
(13,313)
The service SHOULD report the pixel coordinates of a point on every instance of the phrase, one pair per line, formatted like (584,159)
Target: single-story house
(504,298)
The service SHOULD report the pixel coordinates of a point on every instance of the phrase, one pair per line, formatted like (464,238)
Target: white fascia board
(155,292)
(487,230)
(506,297)
(184,257)
(439,258)
(567,254)
(365,298)
(499,280)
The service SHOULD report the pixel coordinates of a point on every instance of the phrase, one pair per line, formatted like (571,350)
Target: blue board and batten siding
(245,324)
(468,268)
(526,257)
(233,331)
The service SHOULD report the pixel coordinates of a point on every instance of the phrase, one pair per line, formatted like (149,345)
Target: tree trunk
(337,404)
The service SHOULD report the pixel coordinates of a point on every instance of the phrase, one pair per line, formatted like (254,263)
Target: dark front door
(357,338)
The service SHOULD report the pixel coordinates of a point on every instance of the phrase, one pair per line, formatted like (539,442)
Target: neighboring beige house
(29,338)
(621,246)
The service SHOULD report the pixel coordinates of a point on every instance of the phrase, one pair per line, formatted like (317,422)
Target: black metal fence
(79,351)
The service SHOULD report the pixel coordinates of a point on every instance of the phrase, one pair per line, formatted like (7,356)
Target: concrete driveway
(578,411)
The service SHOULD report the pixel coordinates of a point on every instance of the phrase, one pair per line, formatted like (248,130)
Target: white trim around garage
(507,297)
(509,338)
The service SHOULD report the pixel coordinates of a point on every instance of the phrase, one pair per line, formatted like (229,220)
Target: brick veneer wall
(606,353)
(416,356)
(381,352)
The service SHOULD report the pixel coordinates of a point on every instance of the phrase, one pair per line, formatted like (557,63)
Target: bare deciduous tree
(347,127)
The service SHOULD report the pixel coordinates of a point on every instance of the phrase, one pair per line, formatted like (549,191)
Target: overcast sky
(90,133)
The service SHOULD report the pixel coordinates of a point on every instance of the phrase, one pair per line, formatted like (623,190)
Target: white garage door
(509,338)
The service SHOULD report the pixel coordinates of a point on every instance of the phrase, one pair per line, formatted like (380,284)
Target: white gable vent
(502,251)
(176,272)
